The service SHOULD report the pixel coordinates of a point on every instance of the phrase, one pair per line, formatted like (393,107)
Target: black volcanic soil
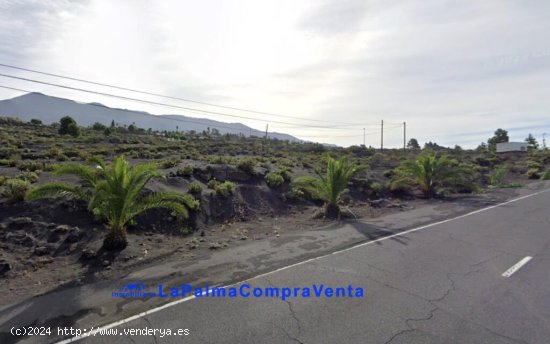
(56,243)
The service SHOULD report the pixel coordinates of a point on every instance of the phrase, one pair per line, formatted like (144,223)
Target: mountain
(51,109)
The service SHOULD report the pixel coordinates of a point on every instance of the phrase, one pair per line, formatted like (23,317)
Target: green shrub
(519,167)
(191,202)
(62,157)
(498,175)
(216,160)
(4,162)
(15,189)
(187,171)
(3,180)
(54,152)
(377,188)
(31,177)
(302,186)
(534,169)
(225,189)
(545,175)
(195,188)
(286,174)
(287,163)
(185,230)
(169,163)
(247,165)
(486,161)
(212,183)
(294,195)
(14,160)
(274,179)
(50,167)
(29,165)
(533,173)
(36,121)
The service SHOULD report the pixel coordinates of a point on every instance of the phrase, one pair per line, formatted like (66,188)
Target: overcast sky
(453,70)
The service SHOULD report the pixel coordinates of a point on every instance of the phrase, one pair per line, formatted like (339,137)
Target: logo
(134,290)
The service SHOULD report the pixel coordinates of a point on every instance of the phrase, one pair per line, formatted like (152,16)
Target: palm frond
(86,173)
(56,189)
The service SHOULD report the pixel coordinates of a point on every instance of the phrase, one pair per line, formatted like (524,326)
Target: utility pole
(364,137)
(404,135)
(265,140)
(382,136)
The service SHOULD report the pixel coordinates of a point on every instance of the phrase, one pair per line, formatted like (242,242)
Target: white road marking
(173,303)
(516,267)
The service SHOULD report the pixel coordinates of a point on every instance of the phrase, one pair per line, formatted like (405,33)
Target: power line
(158,103)
(203,123)
(171,97)
(219,126)
(161,117)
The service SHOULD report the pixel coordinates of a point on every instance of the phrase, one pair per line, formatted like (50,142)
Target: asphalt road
(440,284)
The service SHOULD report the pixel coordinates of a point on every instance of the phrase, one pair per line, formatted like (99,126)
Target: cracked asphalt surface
(441,284)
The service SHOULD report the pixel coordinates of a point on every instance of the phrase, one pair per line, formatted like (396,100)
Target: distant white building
(511,147)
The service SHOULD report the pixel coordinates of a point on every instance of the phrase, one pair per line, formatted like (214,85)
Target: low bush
(286,174)
(187,171)
(195,188)
(301,187)
(274,179)
(545,175)
(216,160)
(15,189)
(377,189)
(533,173)
(486,160)
(31,177)
(225,189)
(497,176)
(185,230)
(169,163)
(247,165)
(534,169)
(191,202)
(212,183)
(29,165)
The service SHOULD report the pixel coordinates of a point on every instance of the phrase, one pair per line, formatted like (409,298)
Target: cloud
(445,67)
(330,17)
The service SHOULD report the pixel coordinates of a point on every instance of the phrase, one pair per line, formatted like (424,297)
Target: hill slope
(51,109)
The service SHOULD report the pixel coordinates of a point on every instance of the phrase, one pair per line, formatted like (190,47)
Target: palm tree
(429,172)
(113,193)
(331,186)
